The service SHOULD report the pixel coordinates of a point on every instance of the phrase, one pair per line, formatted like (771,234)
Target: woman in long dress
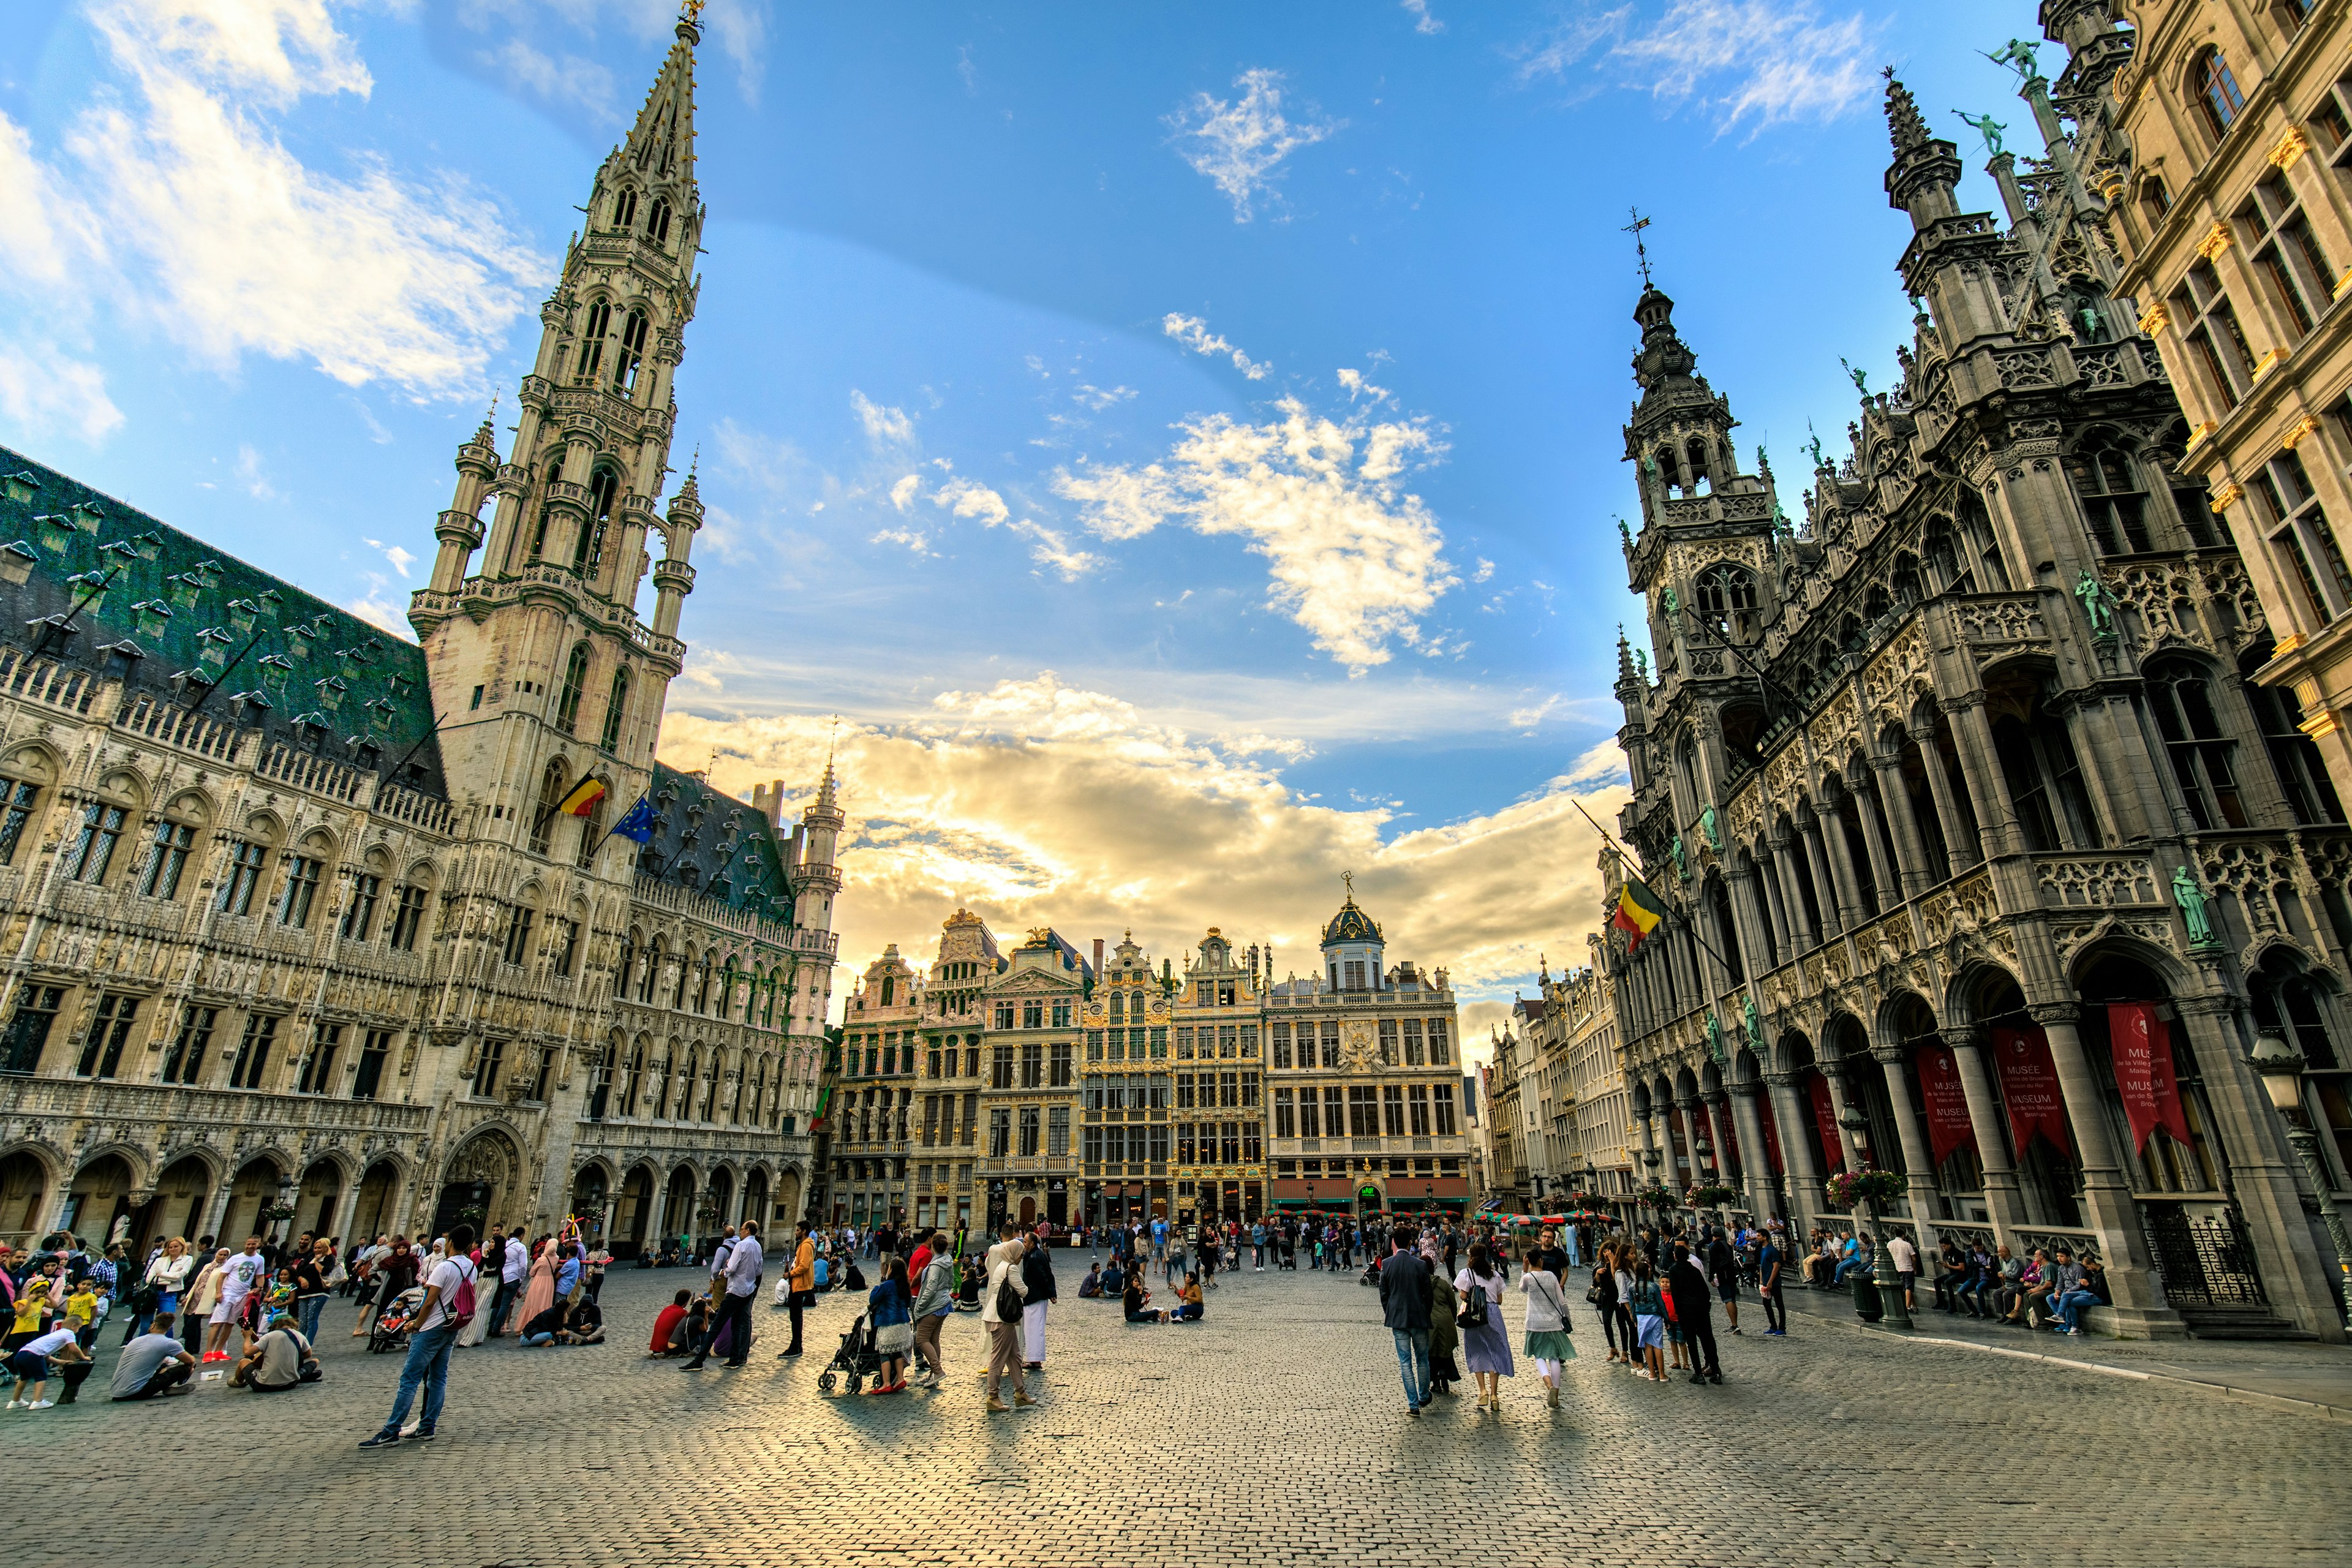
(539,1294)
(1485,1347)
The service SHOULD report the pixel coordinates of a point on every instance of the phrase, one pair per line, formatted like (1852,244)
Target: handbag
(892,1337)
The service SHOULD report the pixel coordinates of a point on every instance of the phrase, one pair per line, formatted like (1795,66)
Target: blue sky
(1182,444)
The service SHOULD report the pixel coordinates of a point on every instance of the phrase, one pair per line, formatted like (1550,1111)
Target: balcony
(180,1108)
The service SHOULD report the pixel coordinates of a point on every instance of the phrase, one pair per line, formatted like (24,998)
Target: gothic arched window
(592,341)
(2201,752)
(551,786)
(575,682)
(592,830)
(625,209)
(632,353)
(658,221)
(2216,92)
(616,710)
(555,478)
(2113,504)
(588,550)
(1727,597)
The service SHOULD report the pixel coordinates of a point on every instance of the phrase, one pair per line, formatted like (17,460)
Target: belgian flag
(582,798)
(1639,911)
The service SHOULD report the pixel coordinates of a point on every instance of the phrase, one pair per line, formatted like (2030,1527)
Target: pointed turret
(1926,171)
(815,879)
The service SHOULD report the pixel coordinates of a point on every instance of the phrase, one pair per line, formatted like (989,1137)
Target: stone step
(2241,1323)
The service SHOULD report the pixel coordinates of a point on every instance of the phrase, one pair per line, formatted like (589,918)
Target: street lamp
(1881,1272)
(2281,1065)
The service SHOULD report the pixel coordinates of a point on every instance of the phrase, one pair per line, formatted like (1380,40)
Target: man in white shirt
(238,1276)
(1905,1259)
(739,1273)
(514,1272)
(451,1283)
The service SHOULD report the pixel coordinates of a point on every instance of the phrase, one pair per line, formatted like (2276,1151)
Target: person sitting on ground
(577,1323)
(153,1364)
(274,1362)
(1113,1280)
(1134,1298)
(665,1339)
(1092,1285)
(1188,1296)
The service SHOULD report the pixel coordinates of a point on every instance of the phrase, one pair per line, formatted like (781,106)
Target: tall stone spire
(1902,120)
(530,622)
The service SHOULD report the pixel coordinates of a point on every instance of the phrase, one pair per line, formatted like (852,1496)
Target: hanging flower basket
(1848,1188)
(1709,1194)
(1658,1196)
(277,1211)
(1585,1202)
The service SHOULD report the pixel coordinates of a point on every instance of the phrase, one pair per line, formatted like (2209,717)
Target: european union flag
(640,823)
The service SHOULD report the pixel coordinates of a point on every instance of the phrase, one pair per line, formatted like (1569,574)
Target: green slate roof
(715,844)
(193,611)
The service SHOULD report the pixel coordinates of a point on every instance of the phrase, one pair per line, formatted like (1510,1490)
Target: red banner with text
(1948,1127)
(2029,1087)
(1825,1116)
(2141,1044)
(1771,1125)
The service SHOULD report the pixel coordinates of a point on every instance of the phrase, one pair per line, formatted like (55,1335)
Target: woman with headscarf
(540,1293)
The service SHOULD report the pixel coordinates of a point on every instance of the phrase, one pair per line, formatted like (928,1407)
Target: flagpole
(1689,928)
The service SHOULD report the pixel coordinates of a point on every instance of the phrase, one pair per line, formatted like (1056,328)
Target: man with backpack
(449,1308)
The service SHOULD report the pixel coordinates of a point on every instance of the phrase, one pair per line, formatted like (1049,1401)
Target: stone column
(1790,1109)
(1939,789)
(1980,767)
(2298,1276)
(1802,935)
(347,1208)
(1755,1154)
(2107,1201)
(1852,913)
(1755,946)
(1837,905)
(1917,875)
(1918,1158)
(1873,843)
(2004,1203)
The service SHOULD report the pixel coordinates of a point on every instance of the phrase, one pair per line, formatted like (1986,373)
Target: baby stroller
(1371,1274)
(394,1319)
(857,1356)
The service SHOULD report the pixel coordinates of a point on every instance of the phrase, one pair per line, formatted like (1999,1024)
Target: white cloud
(1047,546)
(902,494)
(1240,145)
(914,542)
(1356,386)
(885,426)
(1033,801)
(248,474)
(47,393)
(1422,22)
(175,201)
(568,79)
(380,612)
(1354,559)
(400,559)
(1770,60)
(1485,573)
(1100,397)
(1195,335)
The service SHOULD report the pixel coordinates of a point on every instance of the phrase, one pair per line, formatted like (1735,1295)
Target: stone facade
(1363,1069)
(2221,148)
(1950,792)
(1028,1160)
(1126,1139)
(296,928)
(1220,1141)
(869,1128)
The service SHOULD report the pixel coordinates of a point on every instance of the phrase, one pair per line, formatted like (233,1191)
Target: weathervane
(1640,249)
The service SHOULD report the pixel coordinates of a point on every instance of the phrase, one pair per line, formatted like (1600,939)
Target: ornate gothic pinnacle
(1910,131)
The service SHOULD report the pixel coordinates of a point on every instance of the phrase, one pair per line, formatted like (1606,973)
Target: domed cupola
(1352,946)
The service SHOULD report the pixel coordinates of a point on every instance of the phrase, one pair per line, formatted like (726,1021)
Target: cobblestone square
(1274,1432)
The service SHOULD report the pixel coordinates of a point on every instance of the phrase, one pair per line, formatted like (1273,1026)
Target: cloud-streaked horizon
(1036,802)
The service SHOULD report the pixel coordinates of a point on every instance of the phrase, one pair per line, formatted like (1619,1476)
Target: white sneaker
(16,1404)
(40,1405)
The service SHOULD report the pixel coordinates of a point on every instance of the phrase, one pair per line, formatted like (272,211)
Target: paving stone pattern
(1273,1433)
